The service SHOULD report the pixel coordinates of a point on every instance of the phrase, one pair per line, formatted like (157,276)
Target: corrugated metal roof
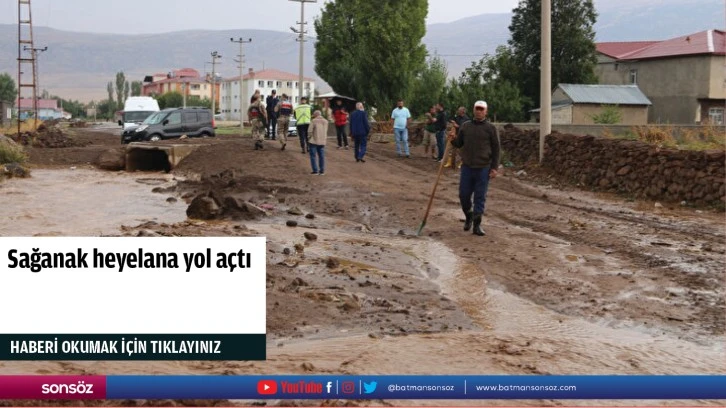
(700,43)
(605,94)
(619,49)
(704,42)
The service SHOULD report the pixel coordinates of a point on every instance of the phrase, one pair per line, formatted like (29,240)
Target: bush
(11,153)
(704,138)
(659,136)
(610,115)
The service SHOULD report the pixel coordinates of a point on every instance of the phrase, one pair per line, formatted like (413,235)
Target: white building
(266,81)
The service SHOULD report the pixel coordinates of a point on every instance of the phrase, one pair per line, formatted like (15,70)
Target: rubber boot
(469,220)
(477,226)
(448,162)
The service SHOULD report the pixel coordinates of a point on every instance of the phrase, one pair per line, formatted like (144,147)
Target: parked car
(173,123)
(292,129)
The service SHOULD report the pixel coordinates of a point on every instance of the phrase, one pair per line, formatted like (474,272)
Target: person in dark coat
(478,140)
(359,129)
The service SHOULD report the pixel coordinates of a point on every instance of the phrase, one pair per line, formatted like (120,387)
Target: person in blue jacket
(359,129)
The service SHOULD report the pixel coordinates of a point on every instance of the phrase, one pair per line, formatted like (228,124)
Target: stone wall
(625,166)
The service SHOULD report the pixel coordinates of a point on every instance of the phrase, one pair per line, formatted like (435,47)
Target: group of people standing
(475,140)
(272,120)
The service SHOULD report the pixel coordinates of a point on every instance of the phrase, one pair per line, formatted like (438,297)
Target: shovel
(433,191)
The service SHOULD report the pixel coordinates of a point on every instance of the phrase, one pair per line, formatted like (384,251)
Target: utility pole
(184,86)
(241,63)
(215,57)
(545,89)
(301,38)
(27,57)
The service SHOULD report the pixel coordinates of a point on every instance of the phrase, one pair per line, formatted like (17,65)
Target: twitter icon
(369,388)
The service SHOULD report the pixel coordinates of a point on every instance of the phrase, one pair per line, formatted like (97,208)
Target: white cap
(481,104)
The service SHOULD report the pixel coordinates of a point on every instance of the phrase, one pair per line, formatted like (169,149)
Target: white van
(136,110)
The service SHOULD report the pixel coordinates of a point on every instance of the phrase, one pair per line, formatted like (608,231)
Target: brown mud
(565,282)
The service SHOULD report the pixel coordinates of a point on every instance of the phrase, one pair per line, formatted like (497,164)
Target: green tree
(127,90)
(193,100)
(610,115)
(488,79)
(427,87)
(110,108)
(171,100)
(136,88)
(371,50)
(573,44)
(120,88)
(75,108)
(8,91)
(106,109)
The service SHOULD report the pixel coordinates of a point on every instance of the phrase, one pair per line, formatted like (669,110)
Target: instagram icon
(347,387)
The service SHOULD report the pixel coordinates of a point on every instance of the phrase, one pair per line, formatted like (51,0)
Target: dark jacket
(460,120)
(272,101)
(479,143)
(441,121)
(359,125)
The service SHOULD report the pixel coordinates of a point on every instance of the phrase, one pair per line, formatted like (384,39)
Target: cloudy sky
(157,16)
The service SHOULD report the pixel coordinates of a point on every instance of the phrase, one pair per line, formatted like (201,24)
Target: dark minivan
(173,123)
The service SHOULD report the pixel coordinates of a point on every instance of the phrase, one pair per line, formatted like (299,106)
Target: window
(297,99)
(261,84)
(270,84)
(615,65)
(174,118)
(633,76)
(278,84)
(289,84)
(715,116)
(190,117)
(307,85)
(195,87)
(296,84)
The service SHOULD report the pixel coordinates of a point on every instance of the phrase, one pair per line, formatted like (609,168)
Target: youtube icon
(266,387)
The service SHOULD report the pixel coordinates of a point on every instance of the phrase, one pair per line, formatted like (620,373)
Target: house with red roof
(47,109)
(683,77)
(265,81)
(186,81)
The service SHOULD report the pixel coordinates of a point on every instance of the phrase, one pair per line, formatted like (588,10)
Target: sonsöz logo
(79,388)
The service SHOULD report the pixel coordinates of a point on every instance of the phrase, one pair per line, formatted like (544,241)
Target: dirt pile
(640,169)
(521,146)
(48,136)
(623,166)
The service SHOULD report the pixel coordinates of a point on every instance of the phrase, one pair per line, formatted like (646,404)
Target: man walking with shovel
(478,140)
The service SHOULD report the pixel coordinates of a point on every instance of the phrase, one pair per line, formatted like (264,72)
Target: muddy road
(565,282)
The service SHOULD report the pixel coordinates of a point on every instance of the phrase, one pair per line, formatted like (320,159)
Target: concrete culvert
(147,160)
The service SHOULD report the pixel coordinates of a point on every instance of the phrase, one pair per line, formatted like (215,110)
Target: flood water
(84,202)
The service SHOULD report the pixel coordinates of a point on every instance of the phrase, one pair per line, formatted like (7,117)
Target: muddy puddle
(84,202)
(530,336)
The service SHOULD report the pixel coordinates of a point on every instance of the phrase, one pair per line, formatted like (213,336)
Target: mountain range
(78,65)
